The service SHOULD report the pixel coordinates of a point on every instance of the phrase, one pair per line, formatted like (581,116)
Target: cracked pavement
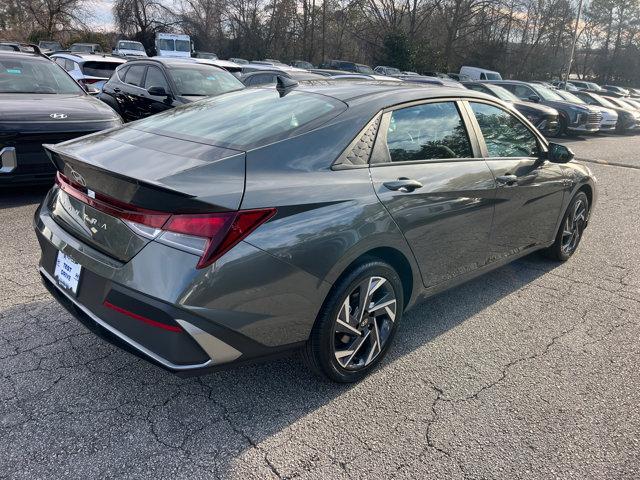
(529,372)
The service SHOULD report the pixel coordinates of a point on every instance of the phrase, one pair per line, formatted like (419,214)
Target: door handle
(405,185)
(117,90)
(507,181)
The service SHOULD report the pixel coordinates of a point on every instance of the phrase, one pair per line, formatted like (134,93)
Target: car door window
(69,65)
(504,134)
(429,131)
(155,78)
(134,75)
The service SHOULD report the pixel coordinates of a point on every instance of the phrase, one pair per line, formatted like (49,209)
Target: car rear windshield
(29,76)
(244,119)
(131,46)
(203,80)
(99,69)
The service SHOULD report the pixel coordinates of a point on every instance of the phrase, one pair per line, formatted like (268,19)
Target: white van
(173,45)
(129,48)
(476,73)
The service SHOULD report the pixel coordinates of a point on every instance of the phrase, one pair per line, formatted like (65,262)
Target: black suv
(544,118)
(574,118)
(140,88)
(40,103)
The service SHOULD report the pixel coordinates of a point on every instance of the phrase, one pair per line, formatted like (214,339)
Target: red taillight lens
(150,218)
(210,235)
(222,231)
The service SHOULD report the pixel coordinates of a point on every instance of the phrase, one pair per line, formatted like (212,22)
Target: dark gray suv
(573,118)
(311,217)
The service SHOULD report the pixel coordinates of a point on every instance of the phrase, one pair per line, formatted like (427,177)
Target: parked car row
(136,87)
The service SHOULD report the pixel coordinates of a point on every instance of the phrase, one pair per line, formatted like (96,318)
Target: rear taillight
(212,235)
(209,235)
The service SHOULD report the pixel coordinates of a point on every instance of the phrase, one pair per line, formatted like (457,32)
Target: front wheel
(571,229)
(356,324)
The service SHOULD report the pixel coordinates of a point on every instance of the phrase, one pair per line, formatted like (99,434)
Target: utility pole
(573,44)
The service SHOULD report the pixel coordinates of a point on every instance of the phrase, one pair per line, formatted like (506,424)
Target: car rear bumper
(159,307)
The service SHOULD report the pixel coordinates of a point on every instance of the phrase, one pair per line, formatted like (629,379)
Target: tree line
(526,39)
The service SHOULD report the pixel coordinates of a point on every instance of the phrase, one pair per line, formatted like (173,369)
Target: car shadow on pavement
(20,196)
(66,387)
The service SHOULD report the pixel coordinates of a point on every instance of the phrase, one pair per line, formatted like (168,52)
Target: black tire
(321,350)
(565,245)
(562,126)
(560,129)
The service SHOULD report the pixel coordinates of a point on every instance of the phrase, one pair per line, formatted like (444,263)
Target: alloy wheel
(573,227)
(364,323)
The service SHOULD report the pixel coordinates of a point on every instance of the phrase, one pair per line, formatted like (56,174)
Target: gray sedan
(298,217)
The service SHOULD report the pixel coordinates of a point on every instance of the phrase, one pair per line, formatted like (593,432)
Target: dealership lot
(531,371)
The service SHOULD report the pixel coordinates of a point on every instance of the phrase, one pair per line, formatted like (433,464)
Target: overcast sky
(100,14)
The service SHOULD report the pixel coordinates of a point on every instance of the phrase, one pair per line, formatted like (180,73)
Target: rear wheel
(571,229)
(357,323)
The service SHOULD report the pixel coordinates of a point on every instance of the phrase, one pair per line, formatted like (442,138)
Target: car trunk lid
(116,188)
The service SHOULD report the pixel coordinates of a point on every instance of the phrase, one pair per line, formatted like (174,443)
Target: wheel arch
(396,259)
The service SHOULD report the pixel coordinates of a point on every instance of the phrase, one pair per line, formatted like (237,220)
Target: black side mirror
(559,153)
(534,98)
(158,92)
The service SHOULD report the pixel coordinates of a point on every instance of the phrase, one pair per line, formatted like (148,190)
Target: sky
(100,16)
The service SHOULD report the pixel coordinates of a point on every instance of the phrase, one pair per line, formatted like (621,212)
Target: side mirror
(559,153)
(534,98)
(157,92)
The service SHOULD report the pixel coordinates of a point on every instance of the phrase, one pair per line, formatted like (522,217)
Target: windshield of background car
(244,119)
(606,103)
(183,46)
(82,48)
(364,69)
(20,76)
(202,80)
(570,97)
(51,45)
(502,93)
(393,71)
(547,94)
(165,44)
(131,46)
(99,69)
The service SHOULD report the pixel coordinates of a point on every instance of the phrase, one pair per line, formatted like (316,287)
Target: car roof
(8,54)
(88,56)
(387,93)
(171,61)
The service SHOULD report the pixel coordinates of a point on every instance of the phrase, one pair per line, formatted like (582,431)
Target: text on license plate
(67,272)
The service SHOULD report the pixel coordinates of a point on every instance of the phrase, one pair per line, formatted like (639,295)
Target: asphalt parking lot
(532,371)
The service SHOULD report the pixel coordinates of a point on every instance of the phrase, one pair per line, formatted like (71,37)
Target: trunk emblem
(79,179)
(58,116)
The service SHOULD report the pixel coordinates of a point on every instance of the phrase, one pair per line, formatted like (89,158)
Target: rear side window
(244,119)
(99,69)
(504,134)
(134,75)
(425,132)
